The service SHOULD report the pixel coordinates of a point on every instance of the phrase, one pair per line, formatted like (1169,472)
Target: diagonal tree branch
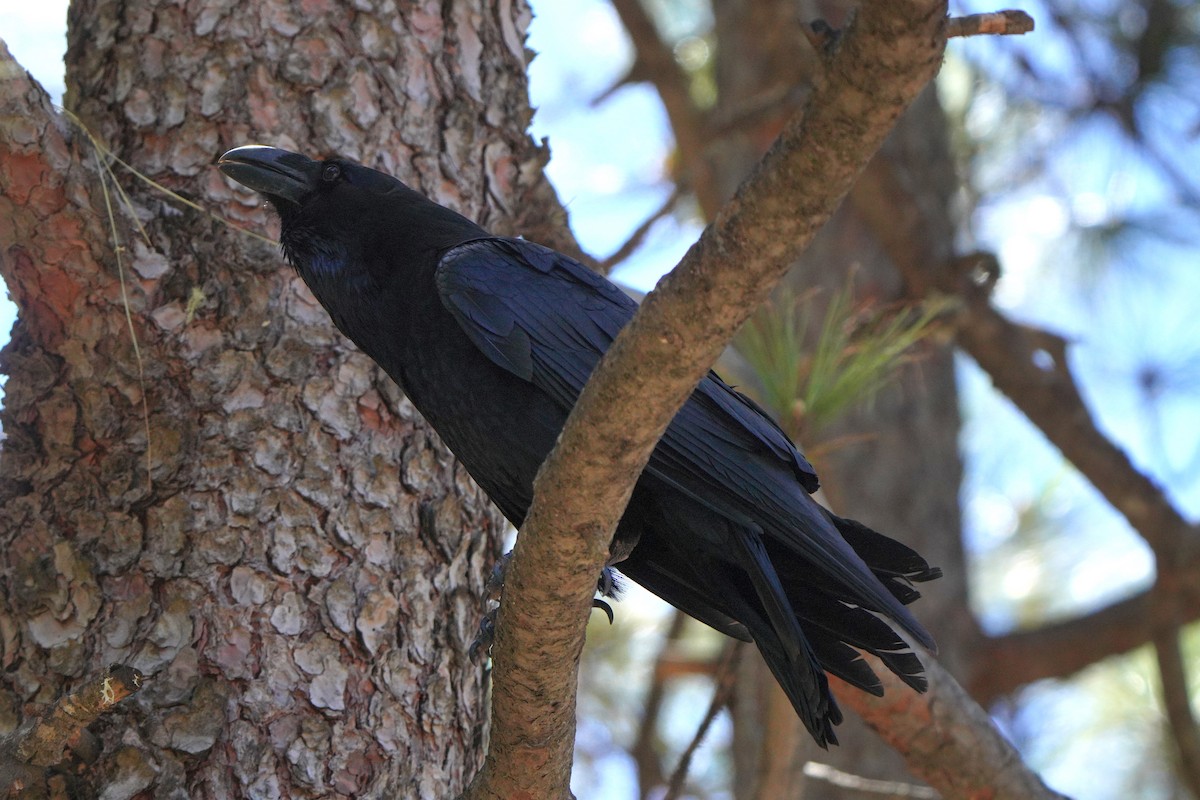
(645,747)
(725,678)
(999,23)
(1010,353)
(1030,367)
(887,54)
(1013,356)
(947,740)
(1062,648)
(635,240)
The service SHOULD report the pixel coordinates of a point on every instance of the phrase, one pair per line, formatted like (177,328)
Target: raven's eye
(331,173)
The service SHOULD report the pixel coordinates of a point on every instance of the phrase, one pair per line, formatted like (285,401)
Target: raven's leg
(608,586)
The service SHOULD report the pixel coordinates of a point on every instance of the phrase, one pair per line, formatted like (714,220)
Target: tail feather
(822,616)
(842,660)
(804,621)
(799,685)
(886,557)
(780,637)
(716,593)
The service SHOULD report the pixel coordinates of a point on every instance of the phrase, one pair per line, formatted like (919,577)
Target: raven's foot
(609,586)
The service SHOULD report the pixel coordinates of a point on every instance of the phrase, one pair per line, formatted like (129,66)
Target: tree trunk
(201,479)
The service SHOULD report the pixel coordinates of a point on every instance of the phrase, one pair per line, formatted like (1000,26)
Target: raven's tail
(804,622)
(836,622)
(829,625)
(896,565)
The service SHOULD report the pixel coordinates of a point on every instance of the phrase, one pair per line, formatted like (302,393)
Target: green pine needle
(857,352)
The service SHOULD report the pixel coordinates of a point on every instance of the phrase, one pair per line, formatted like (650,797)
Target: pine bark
(242,506)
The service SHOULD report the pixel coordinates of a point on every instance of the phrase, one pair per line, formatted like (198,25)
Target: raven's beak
(271,171)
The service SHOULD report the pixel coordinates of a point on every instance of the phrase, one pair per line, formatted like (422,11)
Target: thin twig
(995,23)
(639,234)
(109,154)
(644,749)
(656,61)
(857,783)
(1172,672)
(118,248)
(721,695)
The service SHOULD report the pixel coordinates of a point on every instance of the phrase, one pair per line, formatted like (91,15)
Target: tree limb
(1060,649)
(35,196)
(41,741)
(1010,354)
(885,57)
(996,23)
(1030,367)
(1014,356)
(947,740)
(655,63)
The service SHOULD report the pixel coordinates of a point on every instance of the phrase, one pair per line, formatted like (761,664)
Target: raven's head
(345,223)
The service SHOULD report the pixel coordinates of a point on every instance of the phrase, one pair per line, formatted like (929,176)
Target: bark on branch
(36,196)
(947,740)
(1063,648)
(996,23)
(42,741)
(885,57)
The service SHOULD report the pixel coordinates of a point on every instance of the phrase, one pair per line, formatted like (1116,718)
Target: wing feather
(548,319)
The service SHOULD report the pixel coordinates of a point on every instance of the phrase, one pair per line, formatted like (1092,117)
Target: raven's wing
(552,328)
(548,319)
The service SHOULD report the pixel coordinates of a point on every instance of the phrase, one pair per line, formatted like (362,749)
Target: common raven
(493,338)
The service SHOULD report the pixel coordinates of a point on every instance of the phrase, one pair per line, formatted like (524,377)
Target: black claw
(605,607)
(609,585)
(481,647)
(495,582)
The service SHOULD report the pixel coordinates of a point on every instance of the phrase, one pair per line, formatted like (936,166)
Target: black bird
(493,339)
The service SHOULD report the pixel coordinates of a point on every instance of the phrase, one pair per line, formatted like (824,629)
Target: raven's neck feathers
(370,240)
(370,257)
